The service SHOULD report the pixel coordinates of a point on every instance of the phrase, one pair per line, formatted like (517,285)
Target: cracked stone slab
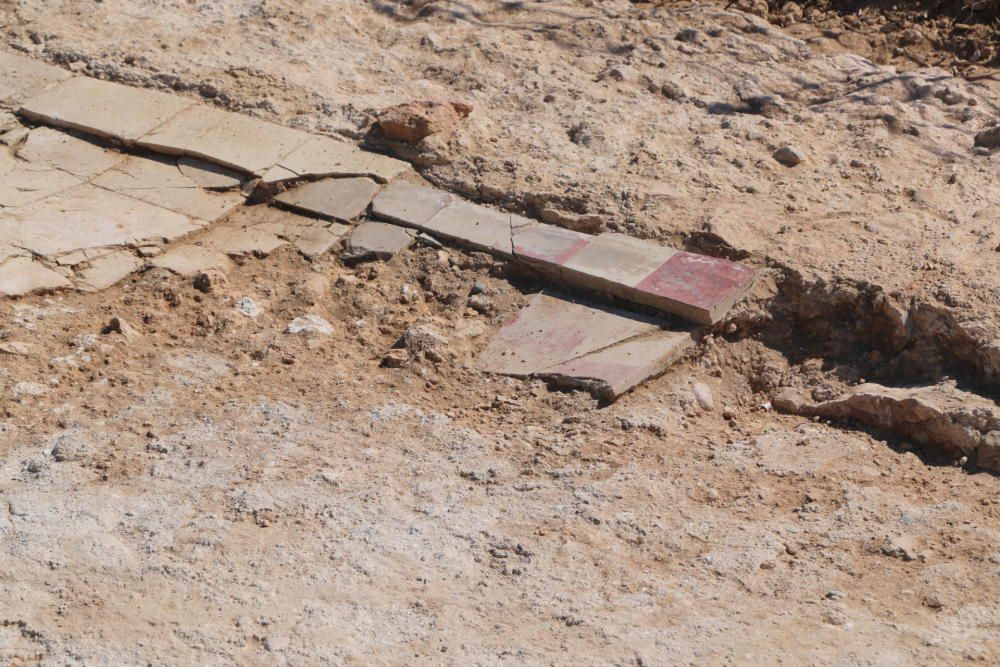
(225,138)
(23,183)
(106,270)
(209,176)
(187,260)
(237,241)
(409,204)
(23,275)
(25,77)
(604,350)
(548,246)
(316,240)
(476,226)
(160,181)
(379,240)
(51,149)
(324,156)
(103,108)
(344,199)
(87,216)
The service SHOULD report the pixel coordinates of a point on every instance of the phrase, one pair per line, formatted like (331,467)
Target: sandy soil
(214,491)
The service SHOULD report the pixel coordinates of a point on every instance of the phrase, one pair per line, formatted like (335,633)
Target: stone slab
(324,156)
(87,216)
(159,181)
(615,370)
(548,246)
(51,149)
(103,108)
(476,226)
(109,269)
(23,183)
(238,241)
(408,204)
(209,176)
(187,260)
(552,330)
(316,240)
(344,199)
(698,287)
(614,263)
(23,275)
(228,139)
(379,240)
(25,77)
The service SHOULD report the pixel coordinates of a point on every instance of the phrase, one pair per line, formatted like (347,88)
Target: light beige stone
(476,226)
(343,199)
(90,217)
(25,77)
(315,240)
(409,204)
(324,156)
(615,263)
(52,149)
(208,175)
(187,260)
(229,139)
(23,275)
(159,181)
(23,183)
(379,240)
(242,240)
(103,108)
(108,269)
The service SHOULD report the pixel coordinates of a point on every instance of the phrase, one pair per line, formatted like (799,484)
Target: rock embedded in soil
(989,138)
(789,156)
(413,121)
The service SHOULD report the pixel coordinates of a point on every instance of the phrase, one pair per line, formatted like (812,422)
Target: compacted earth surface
(294,458)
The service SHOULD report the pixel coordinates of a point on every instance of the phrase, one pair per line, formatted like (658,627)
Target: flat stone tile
(51,149)
(476,226)
(23,275)
(551,331)
(91,217)
(409,204)
(547,245)
(237,241)
(209,176)
(344,199)
(378,240)
(698,287)
(26,77)
(159,181)
(614,263)
(187,260)
(106,270)
(229,139)
(324,156)
(316,240)
(23,183)
(103,108)
(615,370)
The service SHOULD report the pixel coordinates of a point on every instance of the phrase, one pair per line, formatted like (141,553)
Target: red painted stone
(697,280)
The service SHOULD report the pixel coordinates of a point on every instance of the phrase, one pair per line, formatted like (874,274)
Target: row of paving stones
(696,287)
(213,153)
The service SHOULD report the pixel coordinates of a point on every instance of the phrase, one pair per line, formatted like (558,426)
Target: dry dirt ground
(210,490)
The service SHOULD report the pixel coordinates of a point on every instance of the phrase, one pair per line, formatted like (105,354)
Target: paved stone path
(106,179)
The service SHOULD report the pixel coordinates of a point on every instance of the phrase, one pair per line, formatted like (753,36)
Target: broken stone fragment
(120,326)
(789,156)
(703,396)
(344,199)
(23,275)
(16,348)
(412,121)
(989,138)
(424,339)
(377,240)
(309,325)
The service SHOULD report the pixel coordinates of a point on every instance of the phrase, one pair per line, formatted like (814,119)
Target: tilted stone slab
(159,181)
(409,204)
(91,217)
(21,78)
(603,350)
(315,240)
(379,240)
(324,156)
(229,139)
(103,108)
(476,226)
(344,199)
(697,287)
(209,176)
(106,270)
(23,275)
